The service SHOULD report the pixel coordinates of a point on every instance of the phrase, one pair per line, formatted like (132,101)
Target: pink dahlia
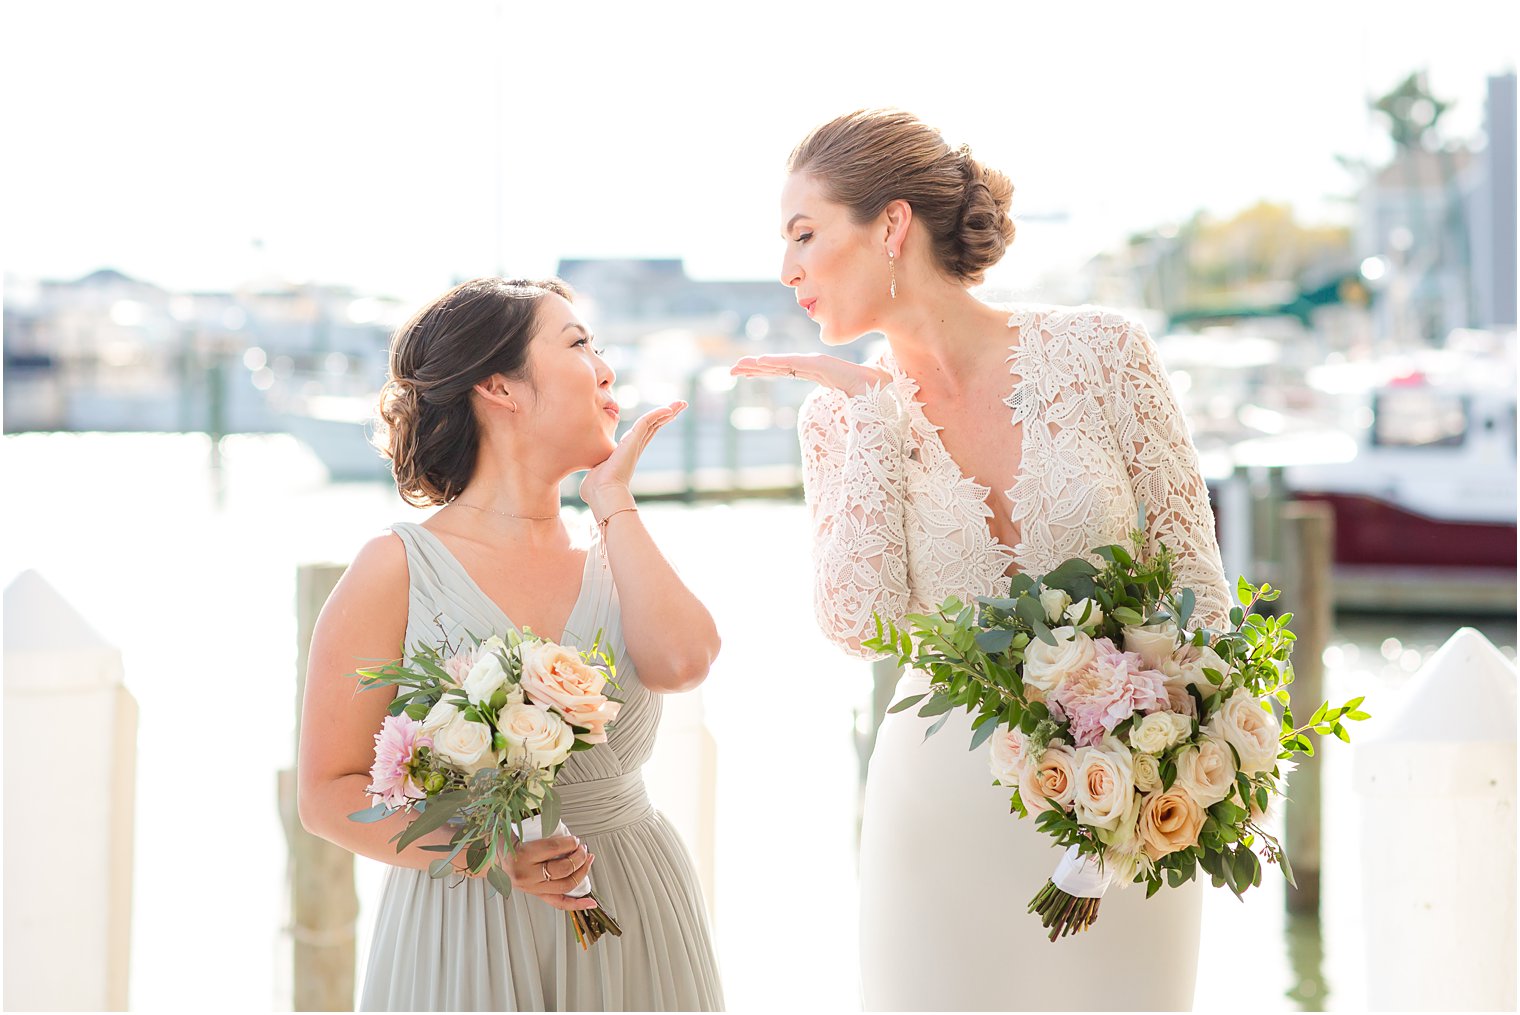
(391,780)
(1112,688)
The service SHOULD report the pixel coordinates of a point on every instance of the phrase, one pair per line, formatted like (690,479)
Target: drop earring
(892,274)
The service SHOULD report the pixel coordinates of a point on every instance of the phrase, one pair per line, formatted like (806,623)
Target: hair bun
(984,229)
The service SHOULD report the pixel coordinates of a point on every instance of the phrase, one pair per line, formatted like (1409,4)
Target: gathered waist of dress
(603,805)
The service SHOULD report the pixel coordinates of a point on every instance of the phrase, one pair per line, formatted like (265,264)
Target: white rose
(1007,755)
(1158,731)
(440,715)
(1093,611)
(1046,666)
(465,744)
(1206,772)
(1252,730)
(1105,783)
(1147,772)
(484,678)
(536,734)
(1186,668)
(1153,644)
(1055,602)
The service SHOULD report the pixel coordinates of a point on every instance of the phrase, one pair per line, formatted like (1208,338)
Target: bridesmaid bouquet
(1150,749)
(474,739)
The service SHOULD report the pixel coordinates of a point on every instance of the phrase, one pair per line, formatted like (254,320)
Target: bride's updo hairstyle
(872,157)
(428,428)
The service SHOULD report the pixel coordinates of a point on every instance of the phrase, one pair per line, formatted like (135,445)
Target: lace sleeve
(1163,468)
(852,450)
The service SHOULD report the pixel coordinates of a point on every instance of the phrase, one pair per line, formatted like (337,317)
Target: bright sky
(355,140)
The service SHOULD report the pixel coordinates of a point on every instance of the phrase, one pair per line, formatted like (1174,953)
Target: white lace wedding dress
(946,871)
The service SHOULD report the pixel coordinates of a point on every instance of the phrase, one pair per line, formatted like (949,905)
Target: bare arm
(362,624)
(671,637)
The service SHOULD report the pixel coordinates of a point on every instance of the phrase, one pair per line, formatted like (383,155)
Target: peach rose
(1252,730)
(1049,781)
(1206,772)
(1168,822)
(557,677)
(1105,783)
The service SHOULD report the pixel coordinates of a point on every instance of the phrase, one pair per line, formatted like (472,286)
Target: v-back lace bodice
(897,527)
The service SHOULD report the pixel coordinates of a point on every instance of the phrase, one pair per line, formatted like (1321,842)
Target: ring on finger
(544,869)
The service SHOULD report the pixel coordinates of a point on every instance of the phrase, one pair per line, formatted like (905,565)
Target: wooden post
(324,905)
(1309,540)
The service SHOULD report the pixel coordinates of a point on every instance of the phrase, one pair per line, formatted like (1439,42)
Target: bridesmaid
(495,396)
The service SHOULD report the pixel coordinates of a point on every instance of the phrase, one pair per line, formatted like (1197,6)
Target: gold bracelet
(603,523)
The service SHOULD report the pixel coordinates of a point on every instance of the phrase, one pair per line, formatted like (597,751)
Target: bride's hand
(548,868)
(830,371)
(605,487)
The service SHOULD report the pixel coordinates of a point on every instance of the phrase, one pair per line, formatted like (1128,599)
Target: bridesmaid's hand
(605,488)
(548,868)
(830,371)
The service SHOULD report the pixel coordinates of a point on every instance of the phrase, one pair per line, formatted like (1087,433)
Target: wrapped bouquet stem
(589,924)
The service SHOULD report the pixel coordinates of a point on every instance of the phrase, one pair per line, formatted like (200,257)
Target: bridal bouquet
(475,737)
(1149,748)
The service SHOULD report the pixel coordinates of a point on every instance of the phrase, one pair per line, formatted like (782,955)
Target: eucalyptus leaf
(938,723)
(499,880)
(549,812)
(437,810)
(994,641)
(982,734)
(379,812)
(906,703)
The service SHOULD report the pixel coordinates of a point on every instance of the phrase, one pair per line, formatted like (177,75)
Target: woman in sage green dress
(495,396)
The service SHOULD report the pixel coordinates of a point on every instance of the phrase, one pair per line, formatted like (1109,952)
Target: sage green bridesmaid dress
(441,945)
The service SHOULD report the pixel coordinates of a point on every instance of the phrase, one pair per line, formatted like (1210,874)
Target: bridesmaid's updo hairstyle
(872,157)
(428,428)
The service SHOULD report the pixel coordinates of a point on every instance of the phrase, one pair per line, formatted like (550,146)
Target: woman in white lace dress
(987,441)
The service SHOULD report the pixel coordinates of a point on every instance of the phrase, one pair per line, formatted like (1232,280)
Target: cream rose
(1192,661)
(440,715)
(1094,613)
(1007,755)
(1055,602)
(535,734)
(1050,780)
(484,678)
(464,744)
(1105,783)
(1158,731)
(1153,644)
(1046,666)
(557,677)
(1206,772)
(1168,822)
(1147,770)
(1252,730)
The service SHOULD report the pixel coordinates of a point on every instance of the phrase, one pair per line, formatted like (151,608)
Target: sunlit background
(212,216)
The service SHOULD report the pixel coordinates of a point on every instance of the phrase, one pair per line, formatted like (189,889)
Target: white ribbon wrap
(533,830)
(1080,876)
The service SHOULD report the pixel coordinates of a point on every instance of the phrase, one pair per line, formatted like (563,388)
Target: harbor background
(206,256)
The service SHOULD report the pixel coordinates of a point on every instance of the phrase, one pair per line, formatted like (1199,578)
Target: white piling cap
(1465,692)
(49,647)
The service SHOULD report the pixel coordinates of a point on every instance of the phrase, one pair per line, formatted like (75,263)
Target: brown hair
(427,427)
(872,157)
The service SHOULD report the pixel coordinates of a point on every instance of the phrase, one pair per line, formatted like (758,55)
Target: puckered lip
(808,304)
(611,408)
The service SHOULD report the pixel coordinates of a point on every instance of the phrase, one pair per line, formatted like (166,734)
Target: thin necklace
(507,514)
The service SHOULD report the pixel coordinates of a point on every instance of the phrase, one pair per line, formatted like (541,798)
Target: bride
(984,442)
